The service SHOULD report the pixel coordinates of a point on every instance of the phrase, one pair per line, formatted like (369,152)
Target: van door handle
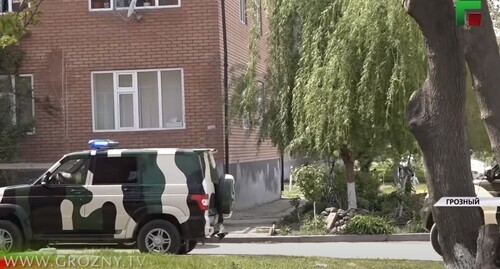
(75,192)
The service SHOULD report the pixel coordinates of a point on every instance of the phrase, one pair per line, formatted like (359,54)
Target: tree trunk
(436,115)
(487,243)
(483,58)
(346,156)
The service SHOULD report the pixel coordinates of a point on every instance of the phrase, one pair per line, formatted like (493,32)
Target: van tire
(11,230)
(435,240)
(158,229)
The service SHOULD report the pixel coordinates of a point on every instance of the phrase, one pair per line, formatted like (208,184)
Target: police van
(161,200)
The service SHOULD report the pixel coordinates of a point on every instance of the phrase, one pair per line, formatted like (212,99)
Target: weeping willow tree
(339,76)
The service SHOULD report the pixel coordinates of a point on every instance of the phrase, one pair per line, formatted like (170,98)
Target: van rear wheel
(159,236)
(435,240)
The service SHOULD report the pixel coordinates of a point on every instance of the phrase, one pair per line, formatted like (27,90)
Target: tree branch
(427,13)
(33,13)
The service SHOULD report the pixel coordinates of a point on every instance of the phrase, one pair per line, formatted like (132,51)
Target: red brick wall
(188,37)
(243,148)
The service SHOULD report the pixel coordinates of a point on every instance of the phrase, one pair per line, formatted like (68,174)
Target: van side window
(115,170)
(72,171)
(190,165)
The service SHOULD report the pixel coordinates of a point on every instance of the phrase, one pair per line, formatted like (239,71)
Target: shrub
(311,181)
(285,230)
(368,224)
(387,205)
(312,226)
(367,188)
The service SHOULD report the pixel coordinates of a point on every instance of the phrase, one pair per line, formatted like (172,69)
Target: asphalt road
(377,250)
(374,250)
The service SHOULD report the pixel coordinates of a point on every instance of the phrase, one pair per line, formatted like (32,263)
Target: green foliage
(295,202)
(313,226)
(388,204)
(335,69)
(368,224)
(285,230)
(367,188)
(317,184)
(311,181)
(372,61)
(14,25)
(304,214)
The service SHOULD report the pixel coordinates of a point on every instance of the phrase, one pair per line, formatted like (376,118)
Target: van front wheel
(435,240)
(159,236)
(11,238)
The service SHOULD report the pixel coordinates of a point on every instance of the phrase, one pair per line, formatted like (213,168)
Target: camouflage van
(161,200)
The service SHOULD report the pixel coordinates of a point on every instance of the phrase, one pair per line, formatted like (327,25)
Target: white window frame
(243,12)
(135,91)
(112,6)
(13,97)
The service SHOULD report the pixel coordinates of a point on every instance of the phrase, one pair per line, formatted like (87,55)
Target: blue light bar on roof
(97,144)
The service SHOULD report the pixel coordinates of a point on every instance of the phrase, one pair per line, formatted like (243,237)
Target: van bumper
(197,227)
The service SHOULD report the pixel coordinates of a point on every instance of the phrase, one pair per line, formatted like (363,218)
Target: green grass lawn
(123,260)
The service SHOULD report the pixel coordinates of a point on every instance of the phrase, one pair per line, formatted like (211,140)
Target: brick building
(154,79)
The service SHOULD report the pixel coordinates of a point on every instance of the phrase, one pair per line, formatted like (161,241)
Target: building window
(243,11)
(16,97)
(139,4)
(138,100)
(11,5)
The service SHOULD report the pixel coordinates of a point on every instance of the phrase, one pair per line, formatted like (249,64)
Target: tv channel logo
(471,8)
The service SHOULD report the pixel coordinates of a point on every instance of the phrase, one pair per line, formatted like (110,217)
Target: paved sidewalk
(256,221)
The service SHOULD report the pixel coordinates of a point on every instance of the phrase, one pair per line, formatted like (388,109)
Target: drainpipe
(226,90)
(282,162)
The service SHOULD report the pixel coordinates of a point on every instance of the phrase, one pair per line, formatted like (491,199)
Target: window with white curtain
(138,100)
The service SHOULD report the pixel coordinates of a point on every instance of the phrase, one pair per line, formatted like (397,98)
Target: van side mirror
(493,173)
(45,180)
